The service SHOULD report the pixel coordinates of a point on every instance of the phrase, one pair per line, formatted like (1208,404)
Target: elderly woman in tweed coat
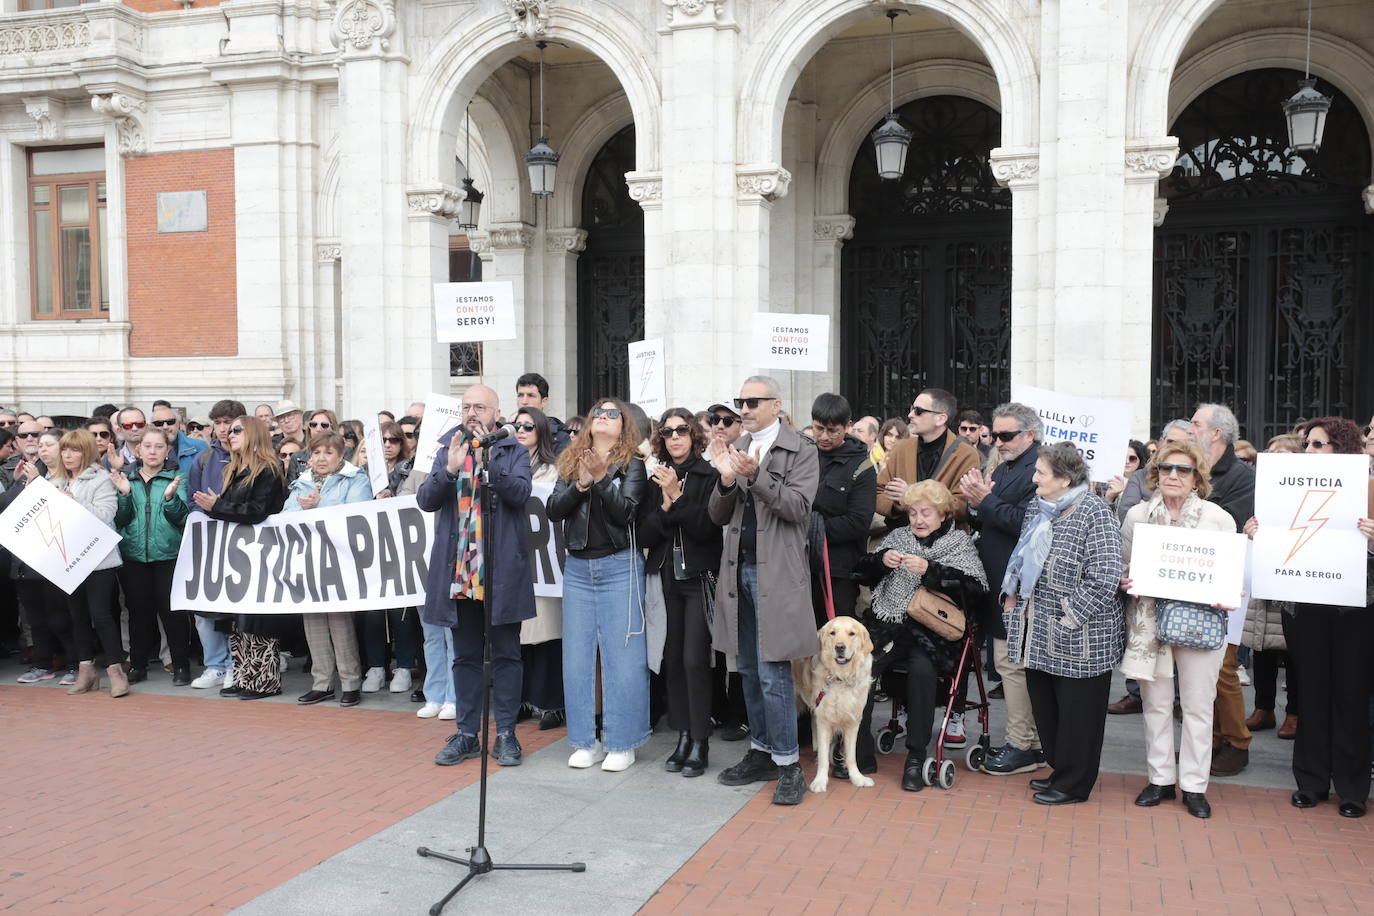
(1064,619)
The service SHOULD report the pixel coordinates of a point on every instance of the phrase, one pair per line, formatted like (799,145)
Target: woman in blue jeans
(601,481)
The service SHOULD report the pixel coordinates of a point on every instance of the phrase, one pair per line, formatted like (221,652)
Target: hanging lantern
(470,206)
(541,160)
(1306,110)
(891,139)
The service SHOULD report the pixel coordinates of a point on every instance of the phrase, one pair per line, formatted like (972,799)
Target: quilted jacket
(1079,584)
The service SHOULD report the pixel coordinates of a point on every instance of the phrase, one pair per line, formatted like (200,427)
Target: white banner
(473,311)
(356,557)
(1206,567)
(1307,547)
(547,552)
(376,458)
(1099,428)
(56,535)
(647,386)
(792,341)
(442,413)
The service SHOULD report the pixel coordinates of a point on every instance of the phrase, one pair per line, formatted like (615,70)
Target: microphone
(496,435)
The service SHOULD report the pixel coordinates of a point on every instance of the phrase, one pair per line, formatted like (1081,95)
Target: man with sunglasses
(725,428)
(970,430)
(126,421)
(933,452)
(9,420)
(764,499)
(167,419)
(289,424)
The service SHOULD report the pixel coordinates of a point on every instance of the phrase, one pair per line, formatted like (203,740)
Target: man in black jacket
(532,390)
(843,507)
(1215,428)
(997,507)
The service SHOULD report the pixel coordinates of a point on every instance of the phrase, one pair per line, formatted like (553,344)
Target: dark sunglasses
(349,437)
(392,440)
(98,433)
(968,429)
(1007,435)
(137,424)
(610,413)
(669,432)
(722,420)
(194,427)
(27,435)
(1183,470)
(1314,443)
(318,424)
(163,424)
(9,423)
(922,411)
(410,435)
(751,403)
(525,427)
(236,430)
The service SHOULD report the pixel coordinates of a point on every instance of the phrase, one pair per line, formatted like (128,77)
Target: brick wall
(182,285)
(162,6)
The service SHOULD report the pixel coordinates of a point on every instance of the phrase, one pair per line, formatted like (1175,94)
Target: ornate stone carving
(127,113)
(361,25)
(565,241)
(833,228)
(1150,160)
(46,114)
(1161,210)
(1014,169)
(768,182)
(1368,195)
(478,243)
(646,188)
(441,201)
(694,8)
(32,39)
(529,18)
(505,238)
(328,252)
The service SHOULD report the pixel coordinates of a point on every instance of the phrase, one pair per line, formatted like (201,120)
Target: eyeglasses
(8,423)
(525,427)
(669,432)
(98,433)
(752,403)
(163,424)
(349,437)
(968,429)
(410,435)
(137,424)
(27,435)
(318,424)
(1180,470)
(721,419)
(920,411)
(610,413)
(194,427)
(392,440)
(236,430)
(1006,435)
(1315,443)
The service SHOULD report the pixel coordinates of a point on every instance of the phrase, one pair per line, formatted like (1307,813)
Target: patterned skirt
(257,662)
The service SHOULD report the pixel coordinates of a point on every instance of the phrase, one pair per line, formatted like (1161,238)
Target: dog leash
(826,588)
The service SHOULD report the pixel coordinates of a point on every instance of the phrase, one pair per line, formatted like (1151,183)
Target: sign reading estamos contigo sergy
(783,341)
(466,312)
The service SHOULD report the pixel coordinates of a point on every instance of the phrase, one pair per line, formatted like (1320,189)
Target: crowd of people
(703,551)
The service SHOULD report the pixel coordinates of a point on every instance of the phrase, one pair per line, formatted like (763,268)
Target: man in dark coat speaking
(480,554)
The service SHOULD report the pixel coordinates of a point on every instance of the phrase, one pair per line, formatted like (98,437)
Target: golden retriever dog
(834,684)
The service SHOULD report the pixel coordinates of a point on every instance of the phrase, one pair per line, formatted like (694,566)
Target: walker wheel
(947,774)
(975,757)
(887,740)
(928,771)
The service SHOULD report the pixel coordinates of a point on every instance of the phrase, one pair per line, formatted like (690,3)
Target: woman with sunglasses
(1180,484)
(105,442)
(541,637)
(1331,646)
(352,432)
(684,556)
(254,488)
(601,482)
(316,422)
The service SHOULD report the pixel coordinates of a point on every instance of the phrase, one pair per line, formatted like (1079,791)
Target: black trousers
(506,670)
(148,595)
(1264,673)
(687,657)
(1332,748)
(50,622)
(1071,716)
(727,694)
(94,608)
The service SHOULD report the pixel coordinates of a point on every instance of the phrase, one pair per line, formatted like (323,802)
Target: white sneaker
(284,659)
(427,711)
(229,678)
(213,677)
(372,681)
(620,760)
(400,681)
(584,757)
(448,712)
(1243,676)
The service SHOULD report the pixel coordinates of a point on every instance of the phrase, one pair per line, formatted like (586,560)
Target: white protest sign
(1205,567)
(647,385)
(1099,428)
(442,413)
(376,458)
(55,535)
(547,552)
(474,311)
(1307,547)
(792,341)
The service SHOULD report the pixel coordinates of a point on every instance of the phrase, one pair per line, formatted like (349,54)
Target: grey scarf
(953,549)
(1023,570)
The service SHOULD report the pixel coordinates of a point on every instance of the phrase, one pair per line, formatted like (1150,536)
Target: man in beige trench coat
(763,613)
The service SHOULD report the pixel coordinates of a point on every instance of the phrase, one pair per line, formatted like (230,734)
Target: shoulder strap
(944,458)
(863,466)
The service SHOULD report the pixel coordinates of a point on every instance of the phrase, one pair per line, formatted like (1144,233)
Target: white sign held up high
(792,341)
(376,458)
(1097,427)
(442,413)
(473,311)
(648,388)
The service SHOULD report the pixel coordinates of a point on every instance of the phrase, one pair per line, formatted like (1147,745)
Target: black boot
(674,762)
(697,759)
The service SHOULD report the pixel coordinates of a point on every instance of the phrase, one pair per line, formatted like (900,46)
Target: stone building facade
(266,189)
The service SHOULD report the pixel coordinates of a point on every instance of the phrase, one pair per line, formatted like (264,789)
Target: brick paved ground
(156,804)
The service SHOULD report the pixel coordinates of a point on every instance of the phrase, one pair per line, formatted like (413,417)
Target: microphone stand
(479,860)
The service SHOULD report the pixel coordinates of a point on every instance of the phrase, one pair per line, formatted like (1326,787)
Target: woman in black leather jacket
(601,482)
(684,557)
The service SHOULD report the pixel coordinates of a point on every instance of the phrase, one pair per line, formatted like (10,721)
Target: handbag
(937,613)
(1190,626)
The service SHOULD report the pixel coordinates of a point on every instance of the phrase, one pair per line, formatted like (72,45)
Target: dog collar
(820,696)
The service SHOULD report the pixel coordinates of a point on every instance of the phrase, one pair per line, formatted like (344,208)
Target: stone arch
(1165,34)
(595,126)
(915,81)
(1346,66)
(809,24)
(461,62)
(497,166)
(327,200)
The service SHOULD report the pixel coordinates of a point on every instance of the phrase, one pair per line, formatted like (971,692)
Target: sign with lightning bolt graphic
(56,535)
(648,382)
(1307,547)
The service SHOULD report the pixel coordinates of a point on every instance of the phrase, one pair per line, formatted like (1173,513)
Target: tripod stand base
(479,863)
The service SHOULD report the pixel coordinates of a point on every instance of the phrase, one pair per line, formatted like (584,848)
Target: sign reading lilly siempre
(784,341)
(1307,547)
(55,535)
(1100,429)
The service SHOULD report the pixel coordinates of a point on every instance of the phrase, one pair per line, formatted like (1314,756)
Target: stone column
(756,187)
(429,214)
(1019,170)
(507,253)
(558,335)
(1147,161)
(829,235)
(327,322)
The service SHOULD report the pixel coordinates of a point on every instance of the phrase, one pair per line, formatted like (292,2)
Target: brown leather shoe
(1289,729)
(1126,706)
(1260,720)
(1228,760)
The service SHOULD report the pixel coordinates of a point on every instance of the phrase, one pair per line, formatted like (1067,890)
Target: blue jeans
(438,664)
(214,644)
(603,608)
(768,694)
